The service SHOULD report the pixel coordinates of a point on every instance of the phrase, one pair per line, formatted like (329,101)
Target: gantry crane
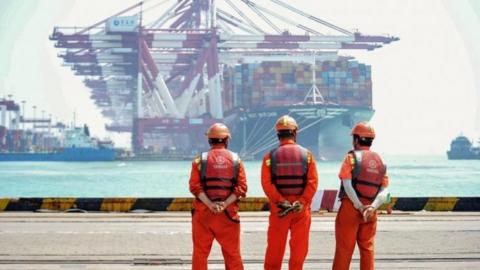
(159,76)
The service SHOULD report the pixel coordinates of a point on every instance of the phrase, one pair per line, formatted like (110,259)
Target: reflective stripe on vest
(219,172)
(289,169)
(367,174)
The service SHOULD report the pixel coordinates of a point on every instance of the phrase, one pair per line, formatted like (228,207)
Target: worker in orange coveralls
(289,179)
(218,181)
(363,189)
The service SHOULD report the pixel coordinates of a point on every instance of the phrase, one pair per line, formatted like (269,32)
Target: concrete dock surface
(405,240)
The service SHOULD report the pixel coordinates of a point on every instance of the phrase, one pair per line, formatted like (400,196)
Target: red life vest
(288,165)
(367,174)
(219,172)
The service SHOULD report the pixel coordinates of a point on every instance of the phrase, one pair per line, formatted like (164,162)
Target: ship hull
(324,129)
(462,148)
(462,155)
(68,154)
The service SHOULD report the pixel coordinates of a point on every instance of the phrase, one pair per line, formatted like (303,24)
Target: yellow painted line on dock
(253,204)
(3,204)
(181,204)
(391,204)
(60,204)
(440,204)
(117,204)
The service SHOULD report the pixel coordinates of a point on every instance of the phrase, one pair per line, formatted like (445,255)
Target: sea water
(413,176)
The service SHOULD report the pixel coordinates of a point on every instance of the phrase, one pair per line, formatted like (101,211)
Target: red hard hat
(363,129)
(286,123)
(218,131)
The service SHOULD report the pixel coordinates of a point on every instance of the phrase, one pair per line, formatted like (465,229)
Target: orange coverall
(350,227)
(224,227)
(297,223)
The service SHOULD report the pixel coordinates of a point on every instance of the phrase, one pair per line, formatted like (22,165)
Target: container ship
(166,79)
(43,141)
(268,90)
(462,148)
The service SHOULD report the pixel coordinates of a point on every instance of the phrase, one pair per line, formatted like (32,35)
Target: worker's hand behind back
(297,206)
(285,208)
(215,207)
(368,213)
(221,206)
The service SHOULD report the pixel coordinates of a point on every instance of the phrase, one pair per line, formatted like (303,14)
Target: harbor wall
(324,200)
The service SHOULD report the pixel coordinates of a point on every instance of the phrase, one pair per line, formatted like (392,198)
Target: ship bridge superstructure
(158,75)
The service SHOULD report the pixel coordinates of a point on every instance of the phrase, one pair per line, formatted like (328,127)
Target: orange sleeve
(267,185)
(312,181)
(385,181)
(346,169)
(240,189)
(195,183)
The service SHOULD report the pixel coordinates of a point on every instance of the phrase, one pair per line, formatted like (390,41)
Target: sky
(425,91)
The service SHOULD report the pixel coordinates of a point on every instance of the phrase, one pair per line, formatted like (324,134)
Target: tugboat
(462,148)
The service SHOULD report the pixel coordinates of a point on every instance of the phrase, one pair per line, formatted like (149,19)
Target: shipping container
(344,82)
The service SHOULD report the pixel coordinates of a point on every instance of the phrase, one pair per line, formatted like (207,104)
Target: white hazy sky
(425,88)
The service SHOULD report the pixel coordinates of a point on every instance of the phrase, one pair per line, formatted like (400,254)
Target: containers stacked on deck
(28,141)
(346,82)
(342,82)
(15,142)
(3,135)
(42,141)
(228,89)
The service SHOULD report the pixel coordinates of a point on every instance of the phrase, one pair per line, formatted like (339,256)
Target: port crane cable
(262,16)
(282,18)
(267,138)
(273,143)
(148,9)
(225,26)
(264,140)
(225,22)
(230,19)
(246,18)
(236,22)
(311,17)
(255,131)
(166,16)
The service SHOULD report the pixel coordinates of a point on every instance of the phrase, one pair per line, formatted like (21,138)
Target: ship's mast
(314,95)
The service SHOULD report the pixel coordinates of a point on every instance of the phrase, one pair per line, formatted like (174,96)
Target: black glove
(285,208)
(284,205)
